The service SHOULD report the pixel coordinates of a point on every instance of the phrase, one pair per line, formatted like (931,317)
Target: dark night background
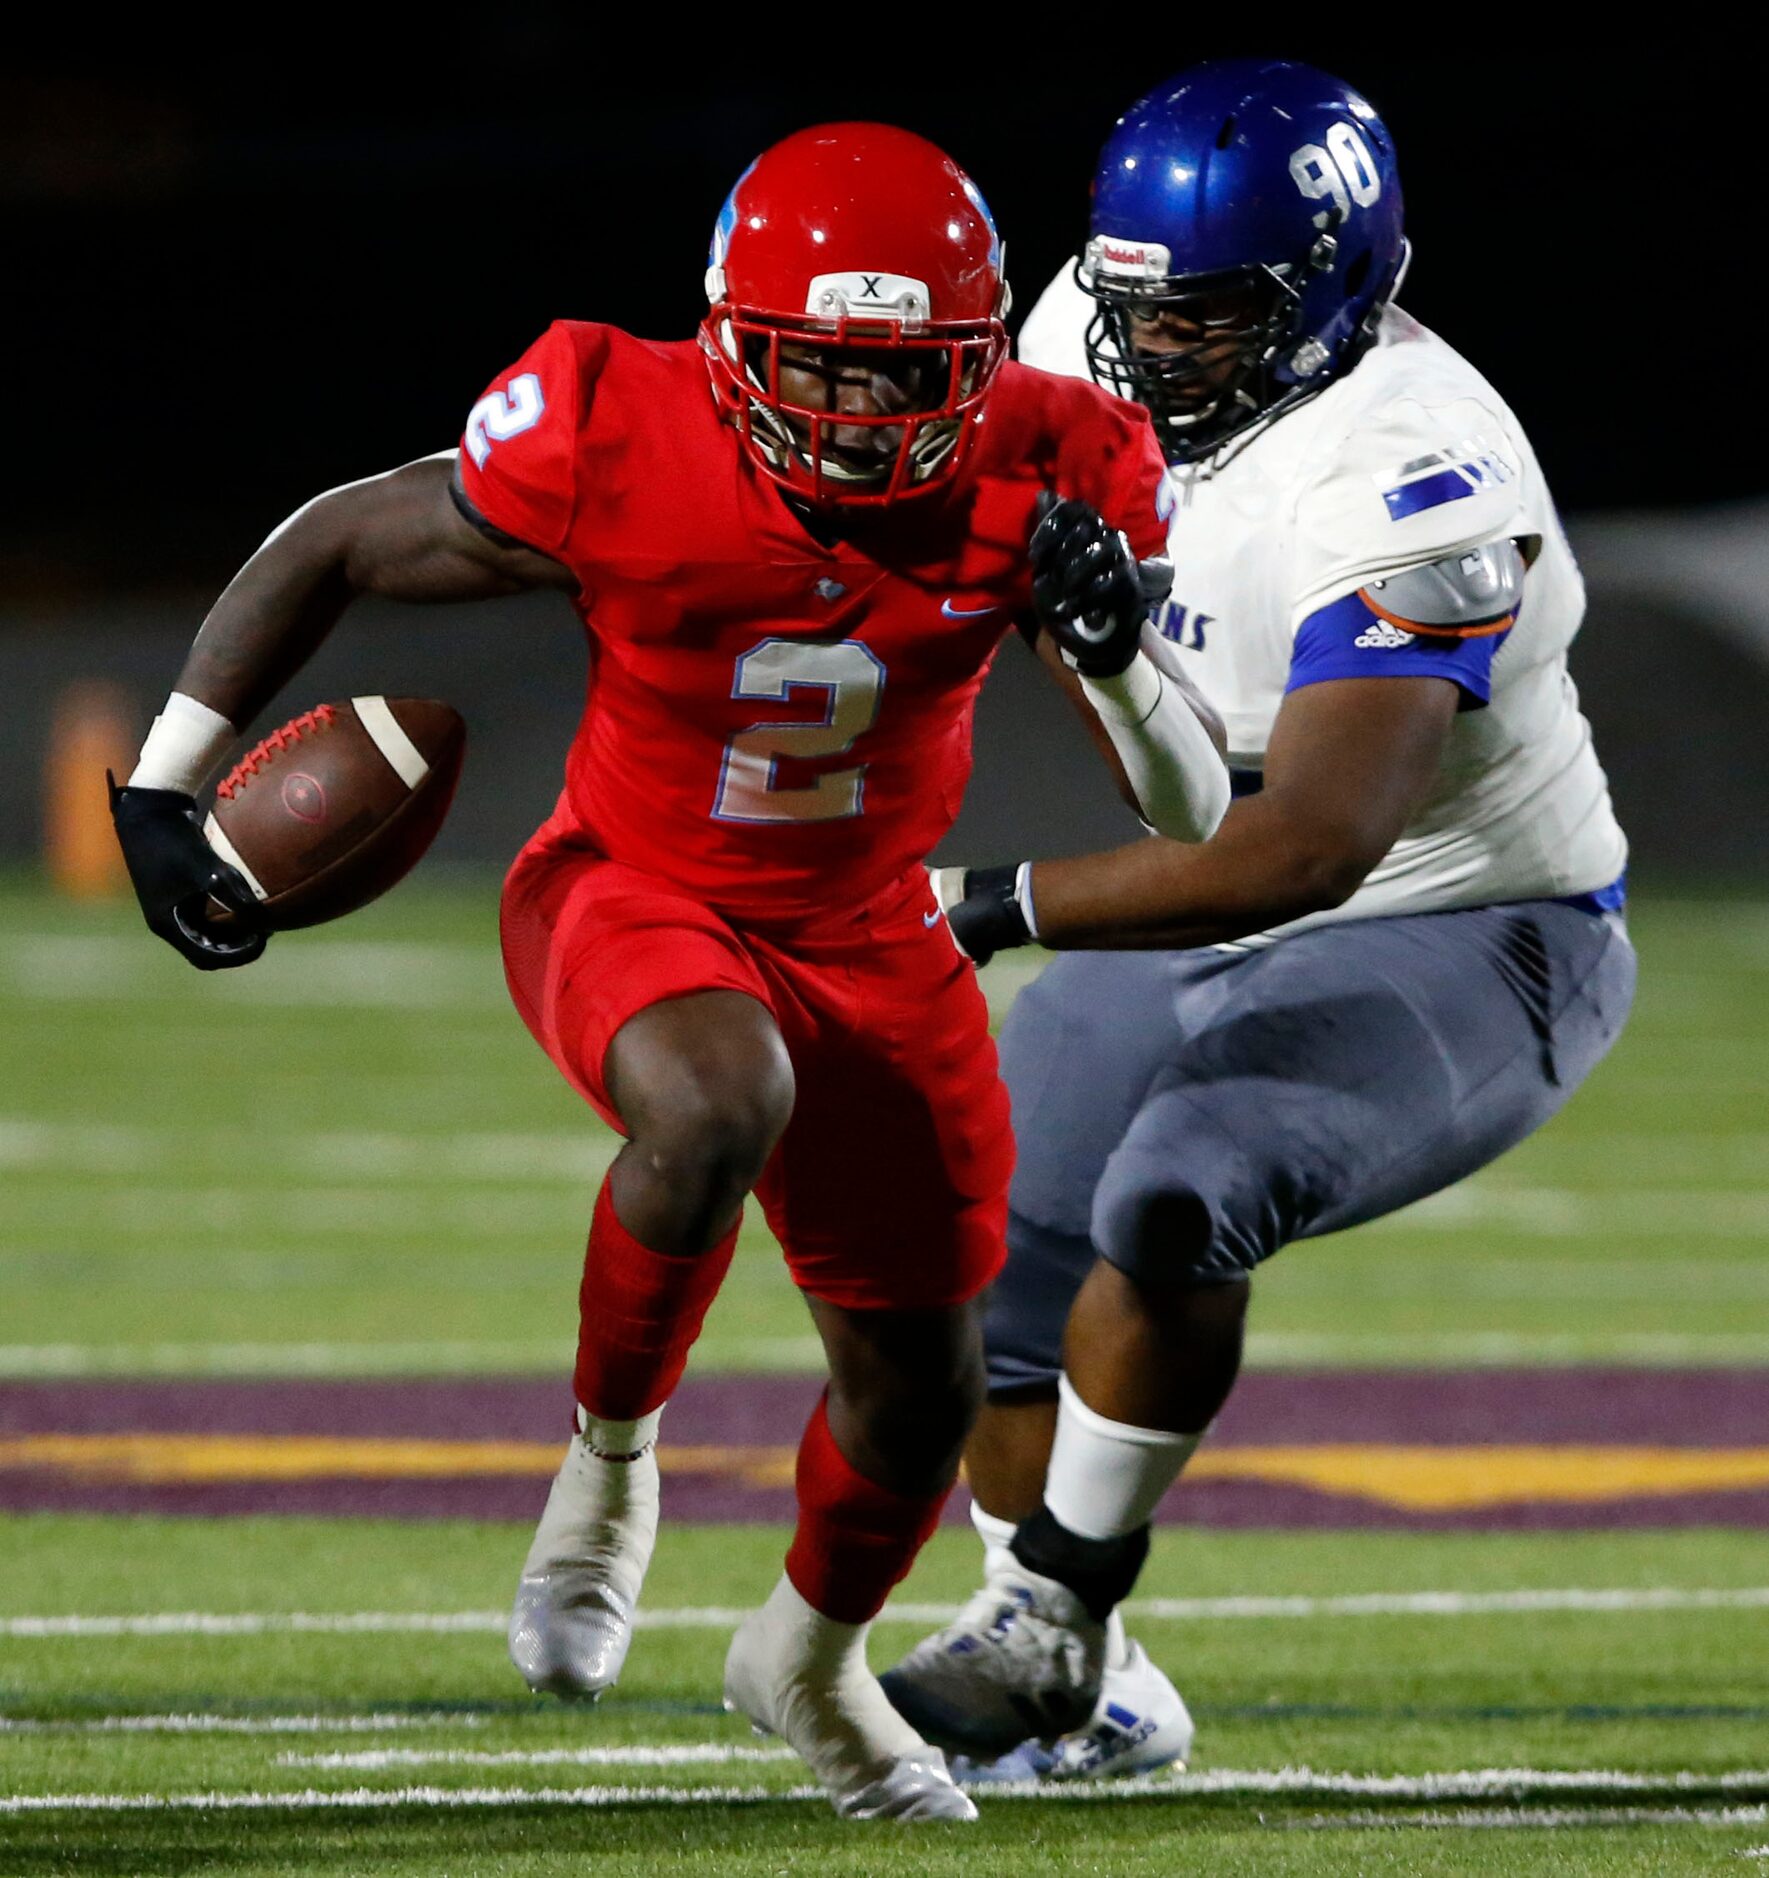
(253,269)
(252,264)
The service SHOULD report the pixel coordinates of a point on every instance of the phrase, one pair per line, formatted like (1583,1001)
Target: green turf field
(1625,1740)
(352,1157)
(351,1160)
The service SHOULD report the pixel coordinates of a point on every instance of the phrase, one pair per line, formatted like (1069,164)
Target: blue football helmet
(1250,210)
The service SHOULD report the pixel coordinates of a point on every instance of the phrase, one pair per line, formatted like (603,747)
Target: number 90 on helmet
(856,317)
(1252,206)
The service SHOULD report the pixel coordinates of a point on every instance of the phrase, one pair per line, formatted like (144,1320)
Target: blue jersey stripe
(1610,899)
(1429,492)
(1344,639)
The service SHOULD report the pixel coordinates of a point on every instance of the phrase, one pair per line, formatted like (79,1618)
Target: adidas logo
(1383,637)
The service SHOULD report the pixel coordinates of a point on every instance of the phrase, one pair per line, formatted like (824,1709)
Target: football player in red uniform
(724,937)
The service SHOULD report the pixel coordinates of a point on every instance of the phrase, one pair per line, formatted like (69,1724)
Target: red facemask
(867,254)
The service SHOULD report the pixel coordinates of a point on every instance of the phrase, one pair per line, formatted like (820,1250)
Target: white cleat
(802,1676)
(1022,1660)
(573,1618)
(1140,1726)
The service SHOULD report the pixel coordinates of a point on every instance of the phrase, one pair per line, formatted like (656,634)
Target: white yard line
(31,1143)
(1456,1783)
(1568,1212)
(1300,1782)
(576,1157)
(695,1754)
(727,1617)
(182,1219)
(1497,1349)
(259,1623)
(526,1157)
(1272,1350)
(1402,1274)
(90,968)
(439,1355)
(1455,1603)
(311,1799)
(235,1724)
(1547,1819)
(1464,1783)
(307,970)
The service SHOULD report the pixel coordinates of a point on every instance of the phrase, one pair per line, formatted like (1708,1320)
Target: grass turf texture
(1641,1693)
(352,1158)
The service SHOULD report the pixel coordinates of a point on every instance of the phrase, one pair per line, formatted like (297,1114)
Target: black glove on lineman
(988,919)
(175,873)
(1090,592)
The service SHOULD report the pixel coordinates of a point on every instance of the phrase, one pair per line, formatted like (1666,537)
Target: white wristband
(1181,783)
(186,742)
(1022,893)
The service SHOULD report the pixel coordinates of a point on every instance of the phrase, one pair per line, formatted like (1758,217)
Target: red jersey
(775,725)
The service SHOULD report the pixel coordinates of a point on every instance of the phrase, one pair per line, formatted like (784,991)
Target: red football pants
(889,1187)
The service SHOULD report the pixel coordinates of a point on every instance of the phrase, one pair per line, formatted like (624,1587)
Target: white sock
(1105,1477)
(618,1441)
(997,1536)
(819,1694)
(601,1508)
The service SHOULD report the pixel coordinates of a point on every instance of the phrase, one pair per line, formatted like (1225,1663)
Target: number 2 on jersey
(853,679)
(504,414)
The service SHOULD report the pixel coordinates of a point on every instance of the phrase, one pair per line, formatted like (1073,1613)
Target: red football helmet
(854,247)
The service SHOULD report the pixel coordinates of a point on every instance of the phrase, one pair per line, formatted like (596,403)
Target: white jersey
(1408,459)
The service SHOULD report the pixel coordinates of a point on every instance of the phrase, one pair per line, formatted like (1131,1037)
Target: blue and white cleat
(1141,1726)
(1022,1660)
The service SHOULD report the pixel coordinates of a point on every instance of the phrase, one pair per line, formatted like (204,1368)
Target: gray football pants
(1185,1114)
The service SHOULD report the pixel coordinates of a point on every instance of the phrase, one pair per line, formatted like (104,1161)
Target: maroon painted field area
(735,1434)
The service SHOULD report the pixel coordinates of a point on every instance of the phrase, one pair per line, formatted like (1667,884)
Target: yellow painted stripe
(151,1458)
(1448,1479)
(1420,1479)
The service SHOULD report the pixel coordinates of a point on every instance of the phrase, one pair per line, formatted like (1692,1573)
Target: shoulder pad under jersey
(1463,595)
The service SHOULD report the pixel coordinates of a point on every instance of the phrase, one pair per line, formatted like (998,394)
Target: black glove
(176,873)
(1090,592)
(987,918)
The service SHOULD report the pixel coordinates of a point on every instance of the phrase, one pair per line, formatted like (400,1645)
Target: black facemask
(1193,422)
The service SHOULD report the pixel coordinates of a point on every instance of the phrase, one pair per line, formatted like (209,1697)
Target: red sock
(855,1539)
(639,1312)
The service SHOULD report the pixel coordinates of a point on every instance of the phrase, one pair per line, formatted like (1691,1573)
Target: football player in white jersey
(1397,956)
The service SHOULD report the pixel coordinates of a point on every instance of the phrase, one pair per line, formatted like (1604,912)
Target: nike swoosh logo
(966,612)
(933,919)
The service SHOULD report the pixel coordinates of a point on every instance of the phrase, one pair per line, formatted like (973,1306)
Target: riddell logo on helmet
(1149,259)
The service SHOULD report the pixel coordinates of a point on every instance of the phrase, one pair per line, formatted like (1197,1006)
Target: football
(338,804)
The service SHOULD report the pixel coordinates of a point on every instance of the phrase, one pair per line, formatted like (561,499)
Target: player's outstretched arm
(1347,766)
(401,535)
(1093,600)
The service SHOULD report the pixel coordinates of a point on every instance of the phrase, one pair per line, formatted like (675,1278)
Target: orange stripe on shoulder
(1483,631)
